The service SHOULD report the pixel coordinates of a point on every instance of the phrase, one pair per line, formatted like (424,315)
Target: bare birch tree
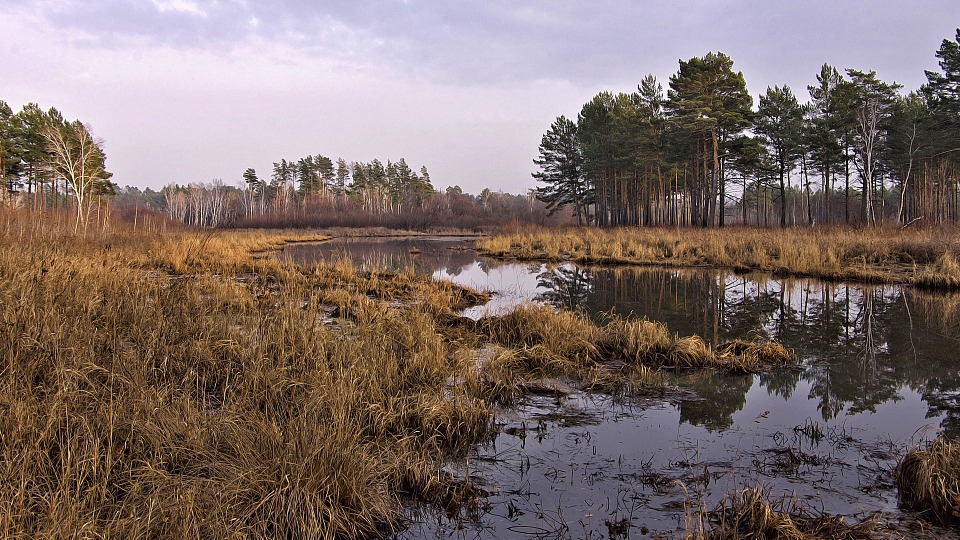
(79,159)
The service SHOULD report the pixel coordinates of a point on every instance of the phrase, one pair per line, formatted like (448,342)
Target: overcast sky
(192,90)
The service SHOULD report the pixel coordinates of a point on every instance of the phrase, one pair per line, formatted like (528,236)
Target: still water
(880,373)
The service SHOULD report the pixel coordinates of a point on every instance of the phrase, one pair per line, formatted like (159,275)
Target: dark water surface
(880,373)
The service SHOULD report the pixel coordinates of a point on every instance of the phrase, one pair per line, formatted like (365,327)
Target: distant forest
(315,191)
(47,162)
(858,152)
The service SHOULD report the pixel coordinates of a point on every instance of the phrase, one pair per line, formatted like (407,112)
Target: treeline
(315,191)
(318,181)
(47,161)
(857,152)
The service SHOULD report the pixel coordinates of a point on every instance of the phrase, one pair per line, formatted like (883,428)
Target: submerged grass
(928,481)
(921,257)
(752,514)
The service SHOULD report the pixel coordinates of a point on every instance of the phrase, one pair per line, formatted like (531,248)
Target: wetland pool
(880,372)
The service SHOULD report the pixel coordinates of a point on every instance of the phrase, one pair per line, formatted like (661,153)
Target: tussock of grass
(541,341)
(554,341)
(920,257)
(651,343)
(751,514)
(928,481)
(741,356)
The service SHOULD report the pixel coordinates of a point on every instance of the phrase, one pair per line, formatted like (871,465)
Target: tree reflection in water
(862,344)
(564,286)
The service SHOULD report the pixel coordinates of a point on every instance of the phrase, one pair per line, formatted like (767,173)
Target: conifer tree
(561,171)
(710,100)
(780,123)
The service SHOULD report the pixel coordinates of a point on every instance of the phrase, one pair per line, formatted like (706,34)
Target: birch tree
(874,102)
(78,157)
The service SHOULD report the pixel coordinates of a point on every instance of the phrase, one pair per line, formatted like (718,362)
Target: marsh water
(880,372)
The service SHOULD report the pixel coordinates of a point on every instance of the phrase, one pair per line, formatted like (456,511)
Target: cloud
(486,42)
(181,6)
(500,41)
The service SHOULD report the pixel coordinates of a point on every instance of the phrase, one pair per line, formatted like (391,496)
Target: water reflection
(567,286)
(863,344)
(421,254)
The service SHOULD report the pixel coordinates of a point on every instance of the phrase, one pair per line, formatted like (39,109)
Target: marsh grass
(922,257)
(180,384)
(617,354)
(176,385)
(752,514)
(928,481)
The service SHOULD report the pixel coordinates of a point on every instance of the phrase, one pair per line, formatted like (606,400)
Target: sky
(192,90)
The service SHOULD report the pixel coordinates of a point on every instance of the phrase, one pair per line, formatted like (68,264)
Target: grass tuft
(928,481)
(751,514)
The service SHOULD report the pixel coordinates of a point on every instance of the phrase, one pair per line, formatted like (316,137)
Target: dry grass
(176,386)
(540,341)
(925,258)
(751,514)
(741,356)
(928,481)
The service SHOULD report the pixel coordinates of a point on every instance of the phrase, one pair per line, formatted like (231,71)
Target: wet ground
(880,373)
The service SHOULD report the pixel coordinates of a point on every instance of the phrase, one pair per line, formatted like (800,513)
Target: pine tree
(943,95)
(709,99)
(341,178)
(780,123)
(255,192)
(824,135)
(561,165)
(10,151)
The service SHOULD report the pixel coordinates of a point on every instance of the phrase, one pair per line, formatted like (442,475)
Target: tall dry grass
(176,386)
(923,257)
(928,481)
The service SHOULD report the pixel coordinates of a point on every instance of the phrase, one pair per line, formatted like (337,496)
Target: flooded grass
(925,258)
(559,342)
(753,514)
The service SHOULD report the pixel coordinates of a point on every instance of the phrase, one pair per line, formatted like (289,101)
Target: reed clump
(921,257)
(928,481)
(752,514)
